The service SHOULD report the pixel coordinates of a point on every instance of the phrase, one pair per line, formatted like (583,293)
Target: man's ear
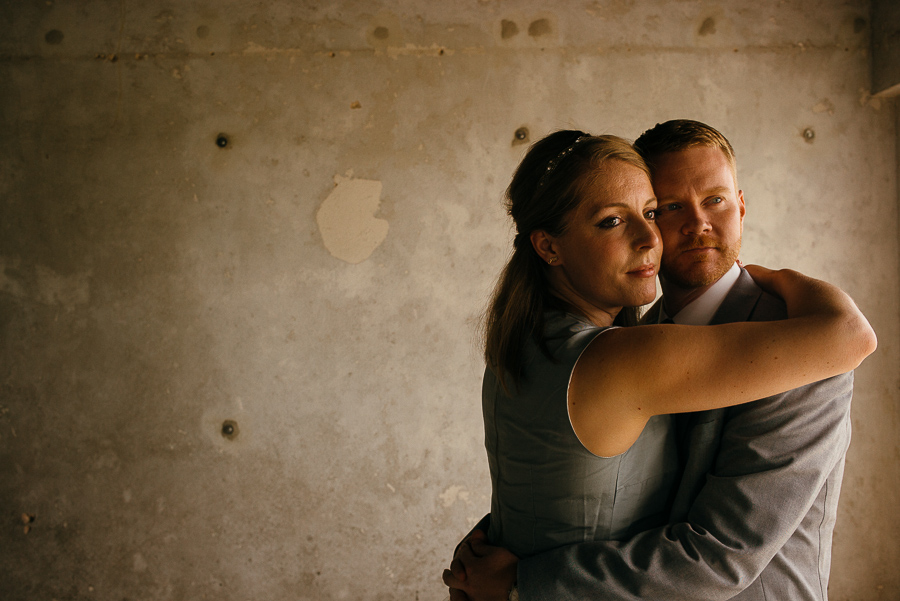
(546,247)
(742,207)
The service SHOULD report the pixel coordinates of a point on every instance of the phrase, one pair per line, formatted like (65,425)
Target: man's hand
(481,572)
(457,569)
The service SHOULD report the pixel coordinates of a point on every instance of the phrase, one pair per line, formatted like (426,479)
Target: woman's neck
(599,317)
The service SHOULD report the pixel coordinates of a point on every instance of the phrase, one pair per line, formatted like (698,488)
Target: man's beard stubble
(699,274)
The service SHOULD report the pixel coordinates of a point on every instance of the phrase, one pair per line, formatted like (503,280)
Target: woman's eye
(611,222)
(651,215)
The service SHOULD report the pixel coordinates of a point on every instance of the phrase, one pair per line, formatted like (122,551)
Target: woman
(579,440)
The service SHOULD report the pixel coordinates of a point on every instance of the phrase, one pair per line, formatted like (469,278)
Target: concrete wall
(251,371)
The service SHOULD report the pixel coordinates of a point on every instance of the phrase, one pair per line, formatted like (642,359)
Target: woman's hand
(771,280)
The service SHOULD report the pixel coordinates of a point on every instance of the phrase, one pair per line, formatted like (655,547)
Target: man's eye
(611,222)
(666,208)
(716,199)
(651,214)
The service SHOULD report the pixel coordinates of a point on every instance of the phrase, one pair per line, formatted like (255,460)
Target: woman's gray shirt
(547,489)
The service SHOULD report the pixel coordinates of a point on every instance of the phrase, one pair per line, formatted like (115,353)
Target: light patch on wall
(347,222)
(44,285)
(56,289)
(453,494)
(139,563)
(7,284)
(825,106)
(866,98)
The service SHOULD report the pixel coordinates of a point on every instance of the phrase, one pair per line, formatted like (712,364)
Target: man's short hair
(681,134)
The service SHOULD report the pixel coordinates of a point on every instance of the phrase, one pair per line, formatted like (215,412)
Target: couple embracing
(698,455)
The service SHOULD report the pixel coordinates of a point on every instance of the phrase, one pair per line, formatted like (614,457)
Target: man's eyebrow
(716,190)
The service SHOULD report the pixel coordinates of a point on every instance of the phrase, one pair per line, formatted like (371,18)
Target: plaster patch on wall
(825,106)
(453,494)
(866,98)
(347,222)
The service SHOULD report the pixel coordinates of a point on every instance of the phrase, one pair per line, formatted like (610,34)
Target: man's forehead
(693,154)
(699,169)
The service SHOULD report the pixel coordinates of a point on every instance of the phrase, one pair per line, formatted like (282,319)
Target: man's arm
(774,459)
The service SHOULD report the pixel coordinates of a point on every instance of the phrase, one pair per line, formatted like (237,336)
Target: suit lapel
(739,302)
(698,433)
(652,315)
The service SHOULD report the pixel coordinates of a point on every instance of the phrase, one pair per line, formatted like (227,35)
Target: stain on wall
(508,29)
(708,27)
(540,27)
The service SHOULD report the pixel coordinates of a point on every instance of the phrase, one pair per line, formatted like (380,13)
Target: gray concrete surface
(210,390)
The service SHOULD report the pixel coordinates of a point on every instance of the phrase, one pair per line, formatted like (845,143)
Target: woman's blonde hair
(547,187)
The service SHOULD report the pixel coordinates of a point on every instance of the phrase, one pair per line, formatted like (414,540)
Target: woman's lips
(644,271)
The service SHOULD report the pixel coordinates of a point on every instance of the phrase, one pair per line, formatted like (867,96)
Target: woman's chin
(646,296)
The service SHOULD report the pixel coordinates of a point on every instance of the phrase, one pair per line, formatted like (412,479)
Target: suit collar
(739,302)
(737,306)
(652,315)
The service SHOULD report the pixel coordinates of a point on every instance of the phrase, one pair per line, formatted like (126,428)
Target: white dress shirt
(701,310)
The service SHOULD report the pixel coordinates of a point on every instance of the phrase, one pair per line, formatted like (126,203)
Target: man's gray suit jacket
(754,513)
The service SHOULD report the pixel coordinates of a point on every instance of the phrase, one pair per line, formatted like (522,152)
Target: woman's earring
(552,260)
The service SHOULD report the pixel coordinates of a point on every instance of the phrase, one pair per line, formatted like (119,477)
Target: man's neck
(678,297)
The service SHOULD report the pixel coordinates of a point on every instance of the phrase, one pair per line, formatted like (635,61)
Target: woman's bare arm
(628,375)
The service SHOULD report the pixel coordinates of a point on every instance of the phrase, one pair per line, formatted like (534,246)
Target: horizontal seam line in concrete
(437,52)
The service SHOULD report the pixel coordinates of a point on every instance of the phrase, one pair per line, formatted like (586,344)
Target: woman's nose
(647,235)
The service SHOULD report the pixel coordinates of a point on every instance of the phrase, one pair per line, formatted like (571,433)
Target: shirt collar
(700,311)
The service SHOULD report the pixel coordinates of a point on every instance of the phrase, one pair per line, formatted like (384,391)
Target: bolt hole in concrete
(221,140)
(809,134)
(203,32)
(521,136)
(229,429)
(54,36)
(381,33)
(27,521)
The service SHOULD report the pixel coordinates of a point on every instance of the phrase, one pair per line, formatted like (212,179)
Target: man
(754,513)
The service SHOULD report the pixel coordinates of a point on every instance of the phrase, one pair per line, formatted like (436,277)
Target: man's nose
(696,222)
